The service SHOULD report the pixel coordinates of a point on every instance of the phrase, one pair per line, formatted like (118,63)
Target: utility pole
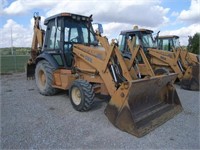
(12,51)
(11,42)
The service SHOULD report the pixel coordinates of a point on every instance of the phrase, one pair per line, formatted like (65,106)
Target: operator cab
(168,42)
(64,30)
(142,37)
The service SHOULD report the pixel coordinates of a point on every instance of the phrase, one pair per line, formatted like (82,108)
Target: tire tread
(88,94)
(49,72)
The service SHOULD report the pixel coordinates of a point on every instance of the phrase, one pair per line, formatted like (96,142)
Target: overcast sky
(172,17)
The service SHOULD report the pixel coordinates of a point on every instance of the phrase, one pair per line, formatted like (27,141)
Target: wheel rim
(42,78)
(76,95)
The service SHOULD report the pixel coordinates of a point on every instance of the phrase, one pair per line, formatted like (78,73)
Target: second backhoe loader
(171,43)
(162,62)
(189,62)
(77,59)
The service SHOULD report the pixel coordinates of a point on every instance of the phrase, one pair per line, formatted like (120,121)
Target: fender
(47,57)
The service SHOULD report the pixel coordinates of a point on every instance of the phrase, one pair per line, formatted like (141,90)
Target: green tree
(193,43)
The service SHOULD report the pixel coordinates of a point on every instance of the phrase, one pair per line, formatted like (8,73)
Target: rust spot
(122,94)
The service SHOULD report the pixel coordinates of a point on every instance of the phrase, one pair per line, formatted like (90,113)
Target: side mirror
(156,39)
(157,35)
(98,27)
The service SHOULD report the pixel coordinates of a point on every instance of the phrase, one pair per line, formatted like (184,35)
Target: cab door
(53,43)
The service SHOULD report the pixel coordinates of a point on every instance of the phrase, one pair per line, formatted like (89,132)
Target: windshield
(176,42)
(121,42)
(147,40)
(79,32)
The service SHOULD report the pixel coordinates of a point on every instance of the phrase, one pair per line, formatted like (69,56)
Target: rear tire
(81,95)
(44,78)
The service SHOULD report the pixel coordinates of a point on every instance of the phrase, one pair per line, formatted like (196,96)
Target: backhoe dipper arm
(37,38)
(35,50)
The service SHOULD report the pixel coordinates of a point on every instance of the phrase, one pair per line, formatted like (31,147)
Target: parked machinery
(162,61)
(77,59)
(187,59)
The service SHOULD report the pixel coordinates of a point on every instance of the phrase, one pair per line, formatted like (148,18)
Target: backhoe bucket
(140,106)
(190,79)
(30,71)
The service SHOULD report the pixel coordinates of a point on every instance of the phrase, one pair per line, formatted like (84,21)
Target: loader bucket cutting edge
(148,104)
(190,80)
(30,71)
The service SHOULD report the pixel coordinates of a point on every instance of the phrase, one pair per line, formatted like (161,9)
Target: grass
(12,63)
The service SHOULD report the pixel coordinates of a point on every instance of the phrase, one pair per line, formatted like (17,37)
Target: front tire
(44,78)
(81,95)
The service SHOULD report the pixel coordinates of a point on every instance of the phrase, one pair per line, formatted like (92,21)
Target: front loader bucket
(30,71)
(140,106)
(190,79)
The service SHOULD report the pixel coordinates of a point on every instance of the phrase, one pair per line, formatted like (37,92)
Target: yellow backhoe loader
(178,61)
(76,58)
(171,43)
(189,62)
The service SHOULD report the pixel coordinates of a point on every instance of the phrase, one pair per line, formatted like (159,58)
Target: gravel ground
(32,121)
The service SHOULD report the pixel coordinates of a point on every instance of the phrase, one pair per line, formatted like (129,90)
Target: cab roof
(168,36)
(66,14)
(136,30)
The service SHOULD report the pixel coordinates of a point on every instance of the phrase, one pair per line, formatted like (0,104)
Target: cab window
(121,40)
(53,35)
